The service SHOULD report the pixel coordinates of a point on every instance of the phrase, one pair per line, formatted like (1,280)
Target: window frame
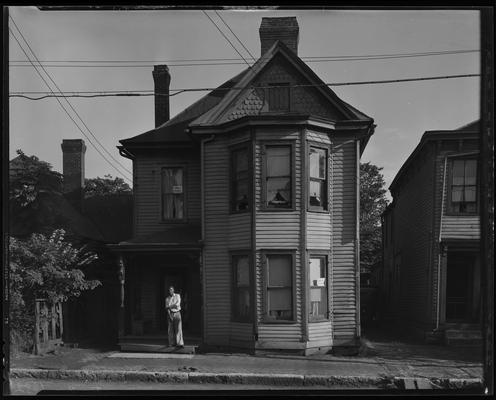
(234,254)
(278,85)
(449,205)
(327,149)
(248,145)
(183,220)
(327,257)
(265,253)
(292,168)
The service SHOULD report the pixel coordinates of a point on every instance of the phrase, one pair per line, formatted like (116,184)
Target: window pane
(278,161)
(317,193)
(470,207)
(240,190)
(318,302)
(279,270)
(470,172)
(280,303)
(241,160)
(458,172)
(173,206)
(317,272)
(470,193)
(242,271)
(243,302)
(173,180)
(279,192)
(456,193)
(317,163)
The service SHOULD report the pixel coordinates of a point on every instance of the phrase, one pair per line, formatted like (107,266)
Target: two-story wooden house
(247,202)
(430,279)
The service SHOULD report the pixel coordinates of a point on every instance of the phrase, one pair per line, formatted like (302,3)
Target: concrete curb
(380,382)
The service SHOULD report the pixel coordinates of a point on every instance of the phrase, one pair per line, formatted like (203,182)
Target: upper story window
(239,180)
(278,96)
(241,290)
(173,193)
(278,176)
(318,186)
(463,186)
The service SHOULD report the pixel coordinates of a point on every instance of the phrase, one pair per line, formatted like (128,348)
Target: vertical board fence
(48,328)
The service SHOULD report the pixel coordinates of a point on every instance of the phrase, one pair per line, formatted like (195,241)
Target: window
(239,180)
(278,176)
(318,307)
(318,178)
(172,193)
(241,304)
(279,97)
(463,196)
(279,287)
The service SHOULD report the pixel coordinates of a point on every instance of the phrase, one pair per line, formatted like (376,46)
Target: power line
(225,37)
(236,36)
(151,93)
(53,94)
(363,56)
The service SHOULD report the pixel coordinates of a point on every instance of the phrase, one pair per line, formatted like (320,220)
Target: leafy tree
(46,267)
(372,204)
(105,186)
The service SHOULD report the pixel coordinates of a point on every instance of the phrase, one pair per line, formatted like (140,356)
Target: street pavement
(381,364)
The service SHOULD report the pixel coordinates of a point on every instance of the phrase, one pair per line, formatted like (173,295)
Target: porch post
(122,281)
(443,274)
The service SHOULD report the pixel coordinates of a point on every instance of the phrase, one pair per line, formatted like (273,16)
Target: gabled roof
(213,116)
(208,110)
(174,129)
(471,130)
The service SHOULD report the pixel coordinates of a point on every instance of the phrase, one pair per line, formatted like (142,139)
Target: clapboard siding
(147,188)
(461,227)
(318,231)
(320,331)
(281,332)
(241,332)
(240,231)
(217,269)
(343,225)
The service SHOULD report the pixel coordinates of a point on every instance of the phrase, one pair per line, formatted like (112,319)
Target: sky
(401,111)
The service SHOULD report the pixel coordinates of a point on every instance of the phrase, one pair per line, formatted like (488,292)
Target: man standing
(173,306)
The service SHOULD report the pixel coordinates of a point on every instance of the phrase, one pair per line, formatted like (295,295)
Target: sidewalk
(381,364)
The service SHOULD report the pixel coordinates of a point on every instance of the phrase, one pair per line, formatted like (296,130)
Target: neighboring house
(431,233)
(247,202)
(94,223)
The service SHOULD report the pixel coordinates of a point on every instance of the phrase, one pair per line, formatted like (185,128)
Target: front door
(462,287)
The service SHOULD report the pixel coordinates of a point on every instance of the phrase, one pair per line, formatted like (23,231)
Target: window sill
(317,210)
(311,320)
(276,322)
(266,209)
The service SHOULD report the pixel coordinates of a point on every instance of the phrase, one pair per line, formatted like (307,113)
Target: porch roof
(176,237)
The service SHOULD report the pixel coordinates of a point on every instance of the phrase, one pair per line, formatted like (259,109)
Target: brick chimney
(284,29)
(161,77)
(73,151)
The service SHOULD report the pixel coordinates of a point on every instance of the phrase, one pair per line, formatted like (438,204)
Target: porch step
(463,337)
(156,348)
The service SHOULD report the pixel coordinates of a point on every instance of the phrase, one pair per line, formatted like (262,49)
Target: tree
(372,204)
(45,267)
(105,186)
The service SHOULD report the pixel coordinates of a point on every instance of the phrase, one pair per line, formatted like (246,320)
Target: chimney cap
(161,68)
(278,22)
(73,145)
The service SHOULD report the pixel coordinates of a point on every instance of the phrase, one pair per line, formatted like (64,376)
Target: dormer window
(278,98)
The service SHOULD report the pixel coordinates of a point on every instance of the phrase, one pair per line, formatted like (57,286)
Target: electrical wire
(60,103)
(225,37)
(151,93)
(70,105)
(318,58)
(236,36)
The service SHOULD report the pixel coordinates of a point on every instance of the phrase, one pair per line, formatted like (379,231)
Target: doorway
(462,287)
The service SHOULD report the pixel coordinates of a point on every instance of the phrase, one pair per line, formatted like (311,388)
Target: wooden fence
(48,326)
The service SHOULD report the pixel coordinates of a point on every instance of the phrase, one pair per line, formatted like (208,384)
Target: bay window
(239,180)
(279,287)
(317,190)
(318,306)
(241,290)
(278,176)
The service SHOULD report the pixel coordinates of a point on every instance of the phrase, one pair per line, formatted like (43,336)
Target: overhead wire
(177,91)
(68,102)
(236,36)
(225,37)
(60,103)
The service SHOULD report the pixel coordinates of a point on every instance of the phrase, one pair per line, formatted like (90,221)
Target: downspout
(357,239)
(303,236)
(202,221)
(439,246)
